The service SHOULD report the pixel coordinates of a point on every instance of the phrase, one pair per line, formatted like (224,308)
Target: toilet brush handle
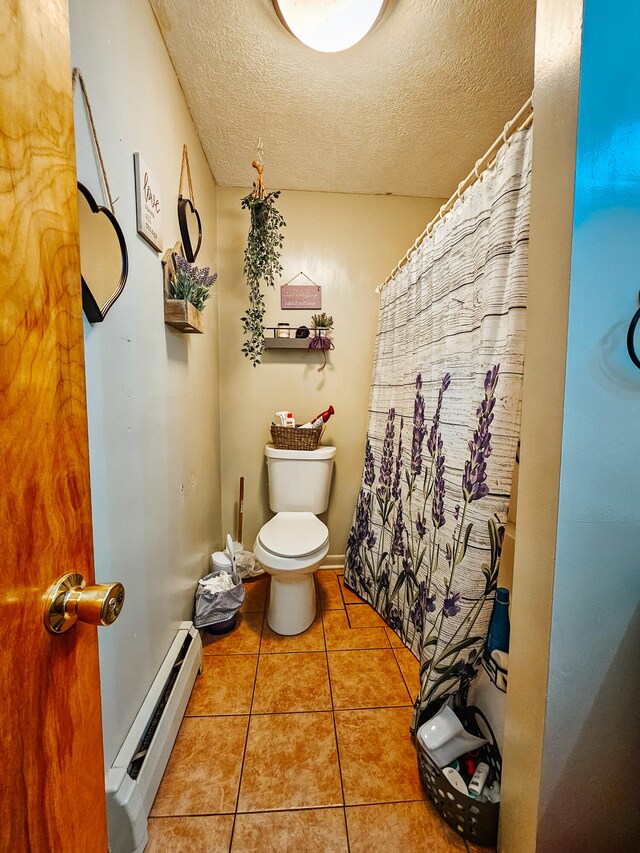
(232,552)
(240,509)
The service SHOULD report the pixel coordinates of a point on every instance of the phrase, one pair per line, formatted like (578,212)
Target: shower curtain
(444,423)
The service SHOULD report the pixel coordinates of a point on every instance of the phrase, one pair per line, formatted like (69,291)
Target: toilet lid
(293,534)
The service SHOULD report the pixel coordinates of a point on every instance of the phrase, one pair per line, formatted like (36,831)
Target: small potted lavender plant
(187,291)
(321,323)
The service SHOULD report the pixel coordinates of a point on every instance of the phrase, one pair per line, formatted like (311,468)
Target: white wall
(152,392)
(348,244)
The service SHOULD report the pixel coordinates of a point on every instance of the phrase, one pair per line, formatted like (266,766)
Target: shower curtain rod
(520,121)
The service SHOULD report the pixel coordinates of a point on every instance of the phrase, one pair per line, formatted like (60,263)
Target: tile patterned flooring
(300,744)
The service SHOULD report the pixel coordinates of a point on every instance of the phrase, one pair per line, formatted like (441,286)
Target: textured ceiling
(407,111)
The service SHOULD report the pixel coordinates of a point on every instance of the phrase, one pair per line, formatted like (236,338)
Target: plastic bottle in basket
(322,418)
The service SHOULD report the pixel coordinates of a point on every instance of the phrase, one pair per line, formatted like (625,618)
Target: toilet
(292,544)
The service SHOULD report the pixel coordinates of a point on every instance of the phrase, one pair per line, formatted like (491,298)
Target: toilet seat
(290,547)
(293,535)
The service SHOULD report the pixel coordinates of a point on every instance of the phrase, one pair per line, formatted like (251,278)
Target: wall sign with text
(301,296)
(148,204)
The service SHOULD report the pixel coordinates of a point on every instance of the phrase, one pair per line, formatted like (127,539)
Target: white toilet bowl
(290,547)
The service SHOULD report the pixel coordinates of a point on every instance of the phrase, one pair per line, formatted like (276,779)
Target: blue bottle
(499,628)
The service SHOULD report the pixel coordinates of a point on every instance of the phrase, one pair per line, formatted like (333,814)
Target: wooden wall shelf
(286,343)
(178,312)
(271,341)
(183,316)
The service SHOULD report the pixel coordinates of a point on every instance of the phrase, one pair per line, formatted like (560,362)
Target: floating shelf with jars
(284,336)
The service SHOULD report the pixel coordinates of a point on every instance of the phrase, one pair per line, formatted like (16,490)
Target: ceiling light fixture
(329,25)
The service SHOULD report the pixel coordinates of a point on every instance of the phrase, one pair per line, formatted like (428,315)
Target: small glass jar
(283,330)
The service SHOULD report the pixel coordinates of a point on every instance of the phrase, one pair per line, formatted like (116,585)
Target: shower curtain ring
(504,133)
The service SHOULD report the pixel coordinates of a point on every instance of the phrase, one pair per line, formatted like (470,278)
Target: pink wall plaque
(301,296)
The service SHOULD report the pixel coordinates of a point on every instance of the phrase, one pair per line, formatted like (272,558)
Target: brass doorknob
(70,598)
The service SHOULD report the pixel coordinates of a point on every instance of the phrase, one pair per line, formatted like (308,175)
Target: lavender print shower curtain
(444,423)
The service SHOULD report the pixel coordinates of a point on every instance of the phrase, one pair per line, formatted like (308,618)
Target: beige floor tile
(394,639)
(348,596)
(410,668)
(400,828)
(364,616)
(255,594)
(366,679)
(328,589)
(311,640)
(340,636)
(290,762)
(211,834)
(305,831)
(243,640)
(377,757)
(203,772)
(225,686)
(292,682)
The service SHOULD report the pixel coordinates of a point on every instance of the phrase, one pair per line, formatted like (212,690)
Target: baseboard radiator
(134,777)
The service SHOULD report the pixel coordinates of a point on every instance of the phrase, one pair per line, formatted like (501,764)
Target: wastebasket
(217,611)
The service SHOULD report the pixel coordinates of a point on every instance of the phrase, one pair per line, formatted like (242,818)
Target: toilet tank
(299,480)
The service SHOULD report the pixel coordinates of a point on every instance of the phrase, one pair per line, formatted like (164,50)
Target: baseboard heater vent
(135,775)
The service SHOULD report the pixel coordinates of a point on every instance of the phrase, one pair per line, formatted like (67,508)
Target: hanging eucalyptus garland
(261,261)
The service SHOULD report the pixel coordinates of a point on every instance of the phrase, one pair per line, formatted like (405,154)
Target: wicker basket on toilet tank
(295,438)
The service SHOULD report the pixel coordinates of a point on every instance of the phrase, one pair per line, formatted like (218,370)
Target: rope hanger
(77,77)
(258,165)
(293,278)
(185,160)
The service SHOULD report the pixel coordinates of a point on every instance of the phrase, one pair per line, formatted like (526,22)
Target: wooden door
(52,782)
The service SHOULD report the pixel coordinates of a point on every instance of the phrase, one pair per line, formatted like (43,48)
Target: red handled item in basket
(322,418)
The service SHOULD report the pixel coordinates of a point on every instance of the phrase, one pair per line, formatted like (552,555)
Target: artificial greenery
(261,263)
(322,321)
(191,283)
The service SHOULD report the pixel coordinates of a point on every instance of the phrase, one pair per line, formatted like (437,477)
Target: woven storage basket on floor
(295,438)
(475,821)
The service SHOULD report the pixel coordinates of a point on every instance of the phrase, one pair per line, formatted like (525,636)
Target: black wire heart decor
(186,210)
(104,260)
